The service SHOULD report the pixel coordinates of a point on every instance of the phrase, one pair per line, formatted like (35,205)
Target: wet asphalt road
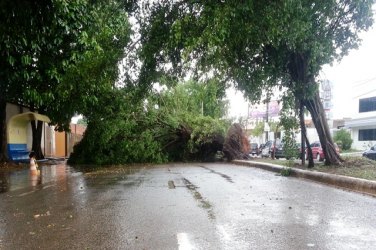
(181,206)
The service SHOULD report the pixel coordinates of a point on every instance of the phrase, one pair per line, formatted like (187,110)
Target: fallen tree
(236,145)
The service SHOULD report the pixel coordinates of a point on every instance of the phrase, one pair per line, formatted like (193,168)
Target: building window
(367,104)
(367,135)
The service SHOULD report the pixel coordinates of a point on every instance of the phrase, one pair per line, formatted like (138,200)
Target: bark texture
(298,68)
(316,109)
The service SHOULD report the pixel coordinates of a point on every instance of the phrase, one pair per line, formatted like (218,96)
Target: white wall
(360,92)
(360,145)
(363,91)
(14,110)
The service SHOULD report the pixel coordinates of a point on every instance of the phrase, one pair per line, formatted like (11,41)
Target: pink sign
(260,110)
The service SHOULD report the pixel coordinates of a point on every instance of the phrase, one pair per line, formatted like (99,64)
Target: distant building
(263,112)
(326,96)
(363,116)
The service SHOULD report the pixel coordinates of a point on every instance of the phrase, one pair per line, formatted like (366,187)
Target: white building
(363,116)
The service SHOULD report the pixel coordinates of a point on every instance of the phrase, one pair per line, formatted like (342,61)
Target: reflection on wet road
(179,206)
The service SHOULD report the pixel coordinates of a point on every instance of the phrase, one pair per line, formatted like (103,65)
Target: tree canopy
(61,57)
(57,55)
(257,45)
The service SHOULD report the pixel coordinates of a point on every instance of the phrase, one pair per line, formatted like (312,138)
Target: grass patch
(353,166)
(351,151)
(286,171)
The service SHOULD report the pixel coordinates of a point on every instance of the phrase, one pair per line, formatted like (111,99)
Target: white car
(267,149)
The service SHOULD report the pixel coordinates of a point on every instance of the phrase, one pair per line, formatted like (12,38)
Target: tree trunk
(3,131)
(303,132)
(274,142)
(37,129)
(316,110)
(311,163)
(298,70)
(304,139)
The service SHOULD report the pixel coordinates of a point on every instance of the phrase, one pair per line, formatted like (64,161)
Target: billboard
(259,111)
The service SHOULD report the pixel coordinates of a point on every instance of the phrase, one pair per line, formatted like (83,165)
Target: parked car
(370,153)
(254,149)
(280,151)
(317,151)
(267,149)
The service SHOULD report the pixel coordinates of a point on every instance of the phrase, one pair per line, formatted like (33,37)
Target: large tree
(38,40)
(56,55)
(258,45)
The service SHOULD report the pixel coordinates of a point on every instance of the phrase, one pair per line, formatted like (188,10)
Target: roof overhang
(31,116)
(361,122)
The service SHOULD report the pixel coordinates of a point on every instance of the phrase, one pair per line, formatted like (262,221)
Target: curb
(349,183)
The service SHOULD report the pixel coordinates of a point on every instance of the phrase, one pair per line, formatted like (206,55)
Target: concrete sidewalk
(349,183)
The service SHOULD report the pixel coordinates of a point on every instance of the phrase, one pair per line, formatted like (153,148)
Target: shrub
(343,137)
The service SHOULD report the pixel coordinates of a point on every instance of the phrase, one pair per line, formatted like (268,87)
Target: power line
(361,82)
(365,93)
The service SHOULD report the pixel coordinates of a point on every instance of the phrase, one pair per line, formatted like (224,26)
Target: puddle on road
(118,175)
(203,203)
(19,179)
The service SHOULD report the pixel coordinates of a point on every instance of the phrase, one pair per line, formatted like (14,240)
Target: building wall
(60,143)
(361,120)
(75,136)
(13,109)
(19,134)
(361,91)
(360,145)
(49,141)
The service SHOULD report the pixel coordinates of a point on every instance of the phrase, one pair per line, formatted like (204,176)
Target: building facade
(362,124)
